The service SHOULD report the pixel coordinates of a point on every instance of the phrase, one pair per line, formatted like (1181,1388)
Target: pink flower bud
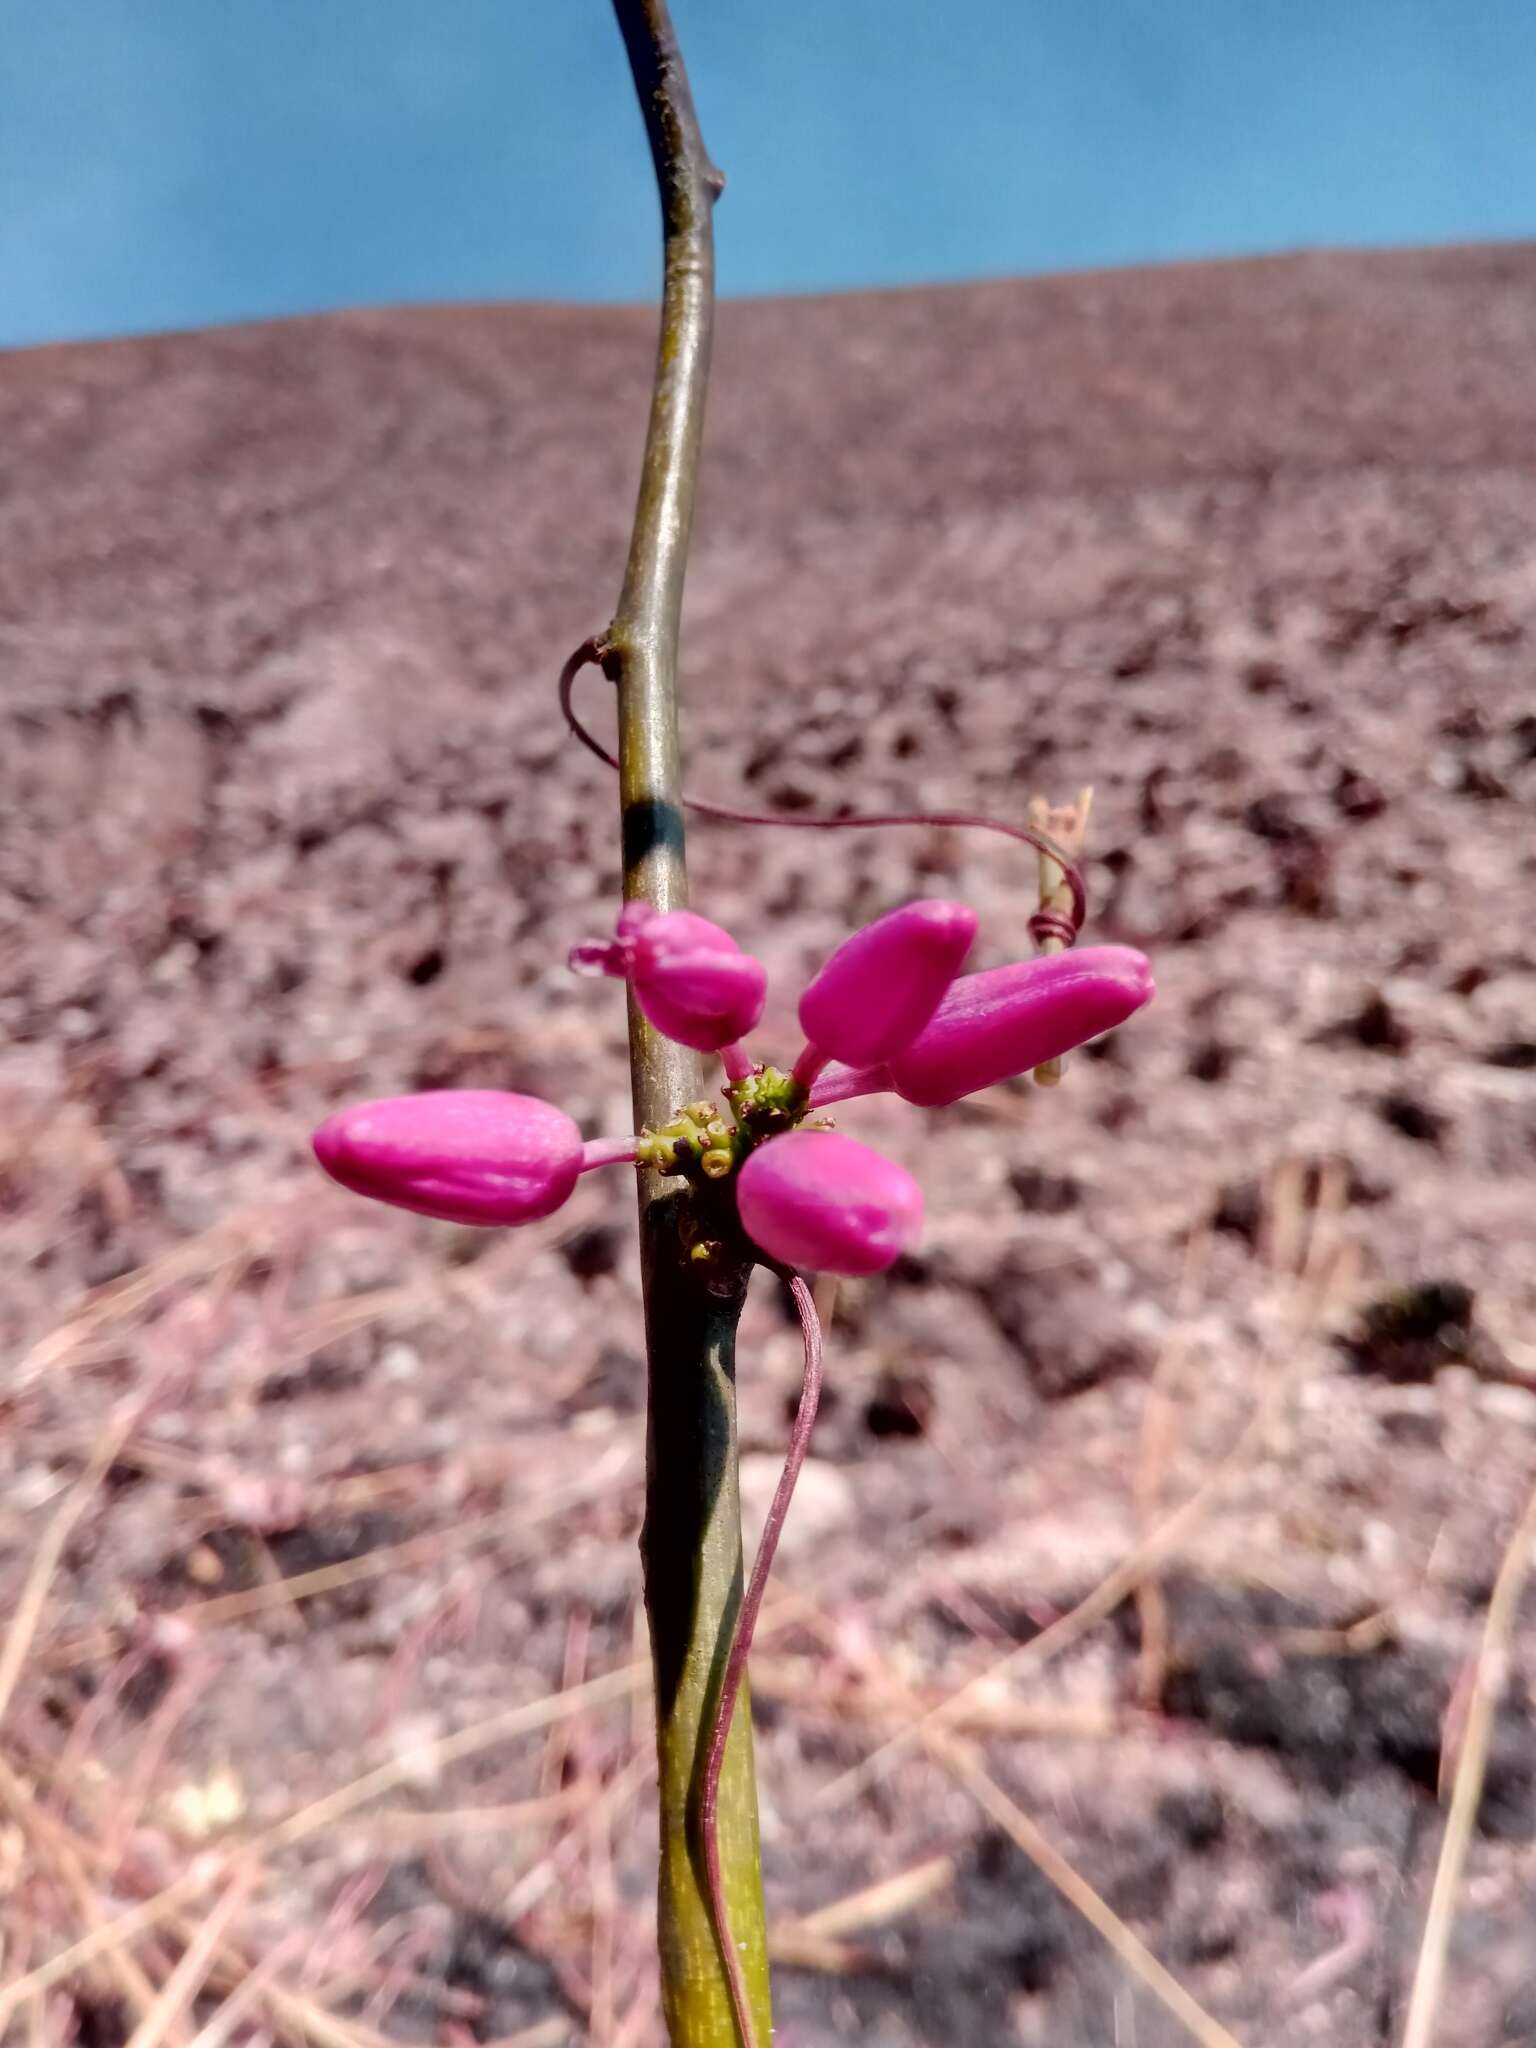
(826,1202)
(1002,1022)
(690,977)
(466,1155)
(882,985)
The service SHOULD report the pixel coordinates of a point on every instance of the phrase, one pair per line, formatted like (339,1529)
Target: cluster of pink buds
(889,1011)
(770,1180)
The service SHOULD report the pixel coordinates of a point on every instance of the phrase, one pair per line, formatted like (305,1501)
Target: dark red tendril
(1044,924)
(741,1643)
(1052,924)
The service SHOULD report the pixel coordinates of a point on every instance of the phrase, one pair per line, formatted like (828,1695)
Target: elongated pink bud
(465,1155)
(1002,1022)
(883,984)
(820,1200)
(690,977)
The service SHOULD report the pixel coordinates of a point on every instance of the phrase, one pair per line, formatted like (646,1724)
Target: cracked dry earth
(288,817)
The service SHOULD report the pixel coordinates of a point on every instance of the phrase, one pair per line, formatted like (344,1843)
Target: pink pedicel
(464,1155)
(825,1202)
(883,984)
(689,976)
(837,1083)
(1006,1020)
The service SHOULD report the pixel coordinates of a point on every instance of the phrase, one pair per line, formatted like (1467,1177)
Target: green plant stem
(691,1540)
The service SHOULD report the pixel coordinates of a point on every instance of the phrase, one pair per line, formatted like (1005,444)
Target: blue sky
(171,163)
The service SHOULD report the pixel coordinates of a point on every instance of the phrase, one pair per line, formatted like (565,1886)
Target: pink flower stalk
(464,1155)
(819,1200)
(880,987)
(690,977)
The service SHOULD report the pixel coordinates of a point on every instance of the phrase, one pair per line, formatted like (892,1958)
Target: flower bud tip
(463,1155)
(882,985)
(821,1200)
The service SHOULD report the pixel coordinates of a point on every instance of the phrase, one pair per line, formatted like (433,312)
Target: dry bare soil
(288,818)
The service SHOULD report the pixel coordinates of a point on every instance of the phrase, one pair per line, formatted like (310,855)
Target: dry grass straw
(243,1995)
(875,1904)
(220,1254)
(108,1943)
(45,1561)
(818,1941)
(1159,1425)
(550,2033)
(1303,1245)
(1488,1681)
(106,1948)
(113,1936)
(1077,1891)
(209,1954)
(602,1479)
(1324,1272)
(1067,824)
(217,1260)
(56,1851)
(803,1682)
(163,2019)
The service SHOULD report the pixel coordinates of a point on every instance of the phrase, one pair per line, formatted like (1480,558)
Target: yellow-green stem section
(693,1584)
(691,1544)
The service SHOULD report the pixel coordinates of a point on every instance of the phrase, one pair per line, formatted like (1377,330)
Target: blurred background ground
(288,817)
